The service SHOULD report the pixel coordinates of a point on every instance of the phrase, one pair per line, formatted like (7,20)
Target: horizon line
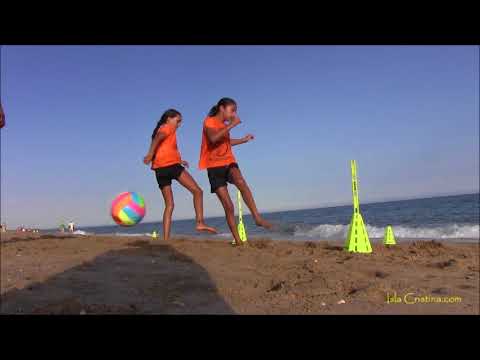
(324,206)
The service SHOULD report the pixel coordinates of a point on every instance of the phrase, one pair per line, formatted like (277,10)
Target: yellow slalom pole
(241,227)
(357,237)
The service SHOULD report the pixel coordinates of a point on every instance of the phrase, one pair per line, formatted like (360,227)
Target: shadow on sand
(142,279)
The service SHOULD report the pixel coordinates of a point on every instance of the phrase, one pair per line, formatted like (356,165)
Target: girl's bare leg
(167,213)
(191,185)
(247,196)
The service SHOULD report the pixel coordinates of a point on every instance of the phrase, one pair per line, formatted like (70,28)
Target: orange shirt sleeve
(166,129)
(210,123)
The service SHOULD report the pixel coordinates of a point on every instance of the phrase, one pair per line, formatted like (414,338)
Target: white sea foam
(127,234)
(450,231)
(223,235)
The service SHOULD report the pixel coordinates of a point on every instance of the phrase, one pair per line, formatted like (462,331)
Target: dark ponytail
(223,102)
(166,115)
(213,111)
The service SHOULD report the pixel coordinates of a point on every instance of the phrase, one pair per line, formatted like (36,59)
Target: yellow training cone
(154,234)
(357,237)
(389,238)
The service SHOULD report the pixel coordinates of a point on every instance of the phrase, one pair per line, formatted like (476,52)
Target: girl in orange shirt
(216,156)
(167,164)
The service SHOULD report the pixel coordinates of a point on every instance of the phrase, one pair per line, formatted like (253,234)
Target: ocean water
(448,217)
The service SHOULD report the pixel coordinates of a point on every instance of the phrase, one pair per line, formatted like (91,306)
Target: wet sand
(65,274)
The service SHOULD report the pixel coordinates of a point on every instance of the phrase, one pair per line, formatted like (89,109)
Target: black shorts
(165,174)
(220,175)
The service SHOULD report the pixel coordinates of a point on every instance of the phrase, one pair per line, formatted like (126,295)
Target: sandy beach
(65,274)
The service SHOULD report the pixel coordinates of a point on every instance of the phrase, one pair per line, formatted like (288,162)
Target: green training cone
(357,237)
(389,238)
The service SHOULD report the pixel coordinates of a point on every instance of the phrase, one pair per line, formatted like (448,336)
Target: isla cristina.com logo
(412,298)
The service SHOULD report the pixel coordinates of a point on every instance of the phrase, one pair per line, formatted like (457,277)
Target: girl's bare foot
(263,223)
(234,243)
(205,227)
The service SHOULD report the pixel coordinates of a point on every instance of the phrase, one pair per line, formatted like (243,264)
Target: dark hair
(222,102)
(166,115)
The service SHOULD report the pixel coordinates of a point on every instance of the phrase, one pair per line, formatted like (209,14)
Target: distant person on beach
(71,226)
(2,117)
(216,156)
(168,165)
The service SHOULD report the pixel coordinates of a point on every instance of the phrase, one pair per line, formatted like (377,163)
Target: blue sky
(79,121)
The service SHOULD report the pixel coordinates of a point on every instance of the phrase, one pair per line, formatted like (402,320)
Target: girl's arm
(155,142)
(243,140)
(214,135)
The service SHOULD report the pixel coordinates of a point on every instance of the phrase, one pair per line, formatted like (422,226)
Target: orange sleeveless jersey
(167,152)
(219,154)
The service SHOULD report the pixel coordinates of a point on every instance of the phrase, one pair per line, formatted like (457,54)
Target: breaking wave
(338,231)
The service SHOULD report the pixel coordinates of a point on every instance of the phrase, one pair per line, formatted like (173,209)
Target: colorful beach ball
(128,209)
